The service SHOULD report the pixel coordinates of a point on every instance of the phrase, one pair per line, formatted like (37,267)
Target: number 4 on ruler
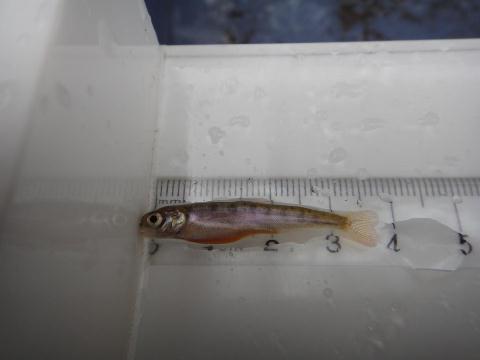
(393,243)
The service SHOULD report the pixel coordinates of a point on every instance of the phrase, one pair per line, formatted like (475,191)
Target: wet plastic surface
(81,167)
(72,188)
(378,109)
(269,312)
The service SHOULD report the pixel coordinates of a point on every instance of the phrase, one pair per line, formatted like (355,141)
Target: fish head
(164,222)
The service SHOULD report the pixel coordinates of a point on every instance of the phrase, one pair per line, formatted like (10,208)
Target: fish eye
(154,219)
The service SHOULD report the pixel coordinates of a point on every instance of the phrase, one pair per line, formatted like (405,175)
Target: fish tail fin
(361,227)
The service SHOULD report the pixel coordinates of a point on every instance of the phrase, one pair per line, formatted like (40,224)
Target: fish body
(223,222)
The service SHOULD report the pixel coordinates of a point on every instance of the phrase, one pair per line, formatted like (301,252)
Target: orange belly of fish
(227,239)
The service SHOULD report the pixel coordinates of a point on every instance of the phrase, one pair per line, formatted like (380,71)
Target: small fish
(223,222)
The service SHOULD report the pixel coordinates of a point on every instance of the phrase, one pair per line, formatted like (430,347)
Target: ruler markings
(420,193)
(475,183)
(359,195)
(181,189)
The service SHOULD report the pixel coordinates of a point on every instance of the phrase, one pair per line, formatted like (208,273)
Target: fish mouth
(146,232)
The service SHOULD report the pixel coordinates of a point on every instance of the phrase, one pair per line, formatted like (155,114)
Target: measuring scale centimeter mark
(422,193)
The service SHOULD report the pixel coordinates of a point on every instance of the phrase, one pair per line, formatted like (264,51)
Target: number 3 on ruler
(334,246)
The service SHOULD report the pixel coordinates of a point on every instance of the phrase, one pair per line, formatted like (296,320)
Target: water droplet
(370,124)
(344,89)
(259,93)
(337,155)
(451,160)
(474,320)
(229,86)
(189,89)
(42,14)
(5,94)
(63,95)
(321,115)
(312,172)
(299,57)
(216,134)
(240,120)
(385,197)
(443,300)
(328,293)
(377,343)
(362,174)
(313,109)
(429,119)
(180,159)
(398,320)
(457,199)
(337,126)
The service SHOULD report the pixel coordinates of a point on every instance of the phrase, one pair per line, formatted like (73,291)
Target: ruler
(452,202)
(172,190)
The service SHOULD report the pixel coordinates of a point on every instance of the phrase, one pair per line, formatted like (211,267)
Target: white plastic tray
(89,105)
